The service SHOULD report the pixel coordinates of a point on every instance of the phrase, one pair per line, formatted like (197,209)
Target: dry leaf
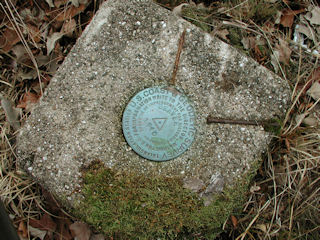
(80,230)
(70,12)
(32,74)
(222,34)
(287,143)
(50,3)
(287,17)
(69,27)
(281,54)
(315,16)
(234,221)
(284,51)
(34,32)
(22,230)
(42,60)
(248,42)
(59,3)
(11,112)
(20,51)
(312,120)
(55,63)
(193,184)
(45,223)
(26,14)
(262,227)
(51,41)
(8,39)
(307,31)
(35,232)
(278,17)
(315,76)
(28,101)
(255,188)
(314,91)
(76,3)
(63,228)
(299,118)
(245,42)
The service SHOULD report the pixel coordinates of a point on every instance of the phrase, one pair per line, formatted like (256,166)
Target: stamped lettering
(158,124)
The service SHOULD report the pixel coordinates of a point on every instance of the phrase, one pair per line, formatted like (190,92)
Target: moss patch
(200,17)
(137,207)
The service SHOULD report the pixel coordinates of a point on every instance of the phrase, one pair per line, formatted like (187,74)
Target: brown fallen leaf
(63,231)
(314,91)
(315,76)
(45,224)
(80,230)
(222,34)
(193,184)
(51,41)
(35,232)
(248,42)
(11,112)
(20,51)
(28,75)
(34,32)
(287,143)
(70,12)
(69,27)
(315,16)
(8,38)
(234,221)
(76,3)
(262,227)
(288,15)
(50,3)
(307,31)
(28,101)
(59,3)
(312,120)
(281,53)
(22,230)
(285,51)
(255,188)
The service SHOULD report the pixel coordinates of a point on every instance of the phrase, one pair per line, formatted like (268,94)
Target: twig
(176,63)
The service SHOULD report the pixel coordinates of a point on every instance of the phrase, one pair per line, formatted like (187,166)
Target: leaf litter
(52,26)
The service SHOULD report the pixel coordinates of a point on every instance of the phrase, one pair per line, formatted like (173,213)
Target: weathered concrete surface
(129,46)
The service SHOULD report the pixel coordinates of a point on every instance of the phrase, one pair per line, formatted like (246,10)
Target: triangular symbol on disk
(159,122)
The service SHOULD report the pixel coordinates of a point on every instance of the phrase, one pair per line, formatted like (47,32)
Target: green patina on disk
(159,123)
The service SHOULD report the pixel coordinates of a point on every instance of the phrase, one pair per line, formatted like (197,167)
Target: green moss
(235,37)
(273,126)
(261,11)
(200,17)
(252,10)
(137,207)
